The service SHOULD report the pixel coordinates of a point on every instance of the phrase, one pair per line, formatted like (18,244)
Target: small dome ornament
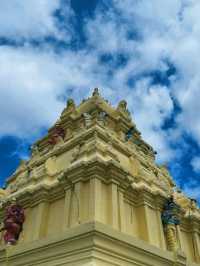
(70,104)
(122,107)
(95,92)
(70,107)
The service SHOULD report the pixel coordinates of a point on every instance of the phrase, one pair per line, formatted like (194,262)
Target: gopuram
(91,194)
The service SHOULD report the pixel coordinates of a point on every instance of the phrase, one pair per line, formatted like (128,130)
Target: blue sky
(146,52)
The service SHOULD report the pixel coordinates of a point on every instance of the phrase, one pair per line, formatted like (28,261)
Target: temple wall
(107,210)
(1,238)
(85,199)
(95,200)
(29,226)
(187,244)
(152,226)
(132,223)
(55,217)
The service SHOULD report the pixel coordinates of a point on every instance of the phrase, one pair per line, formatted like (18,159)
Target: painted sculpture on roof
(57,134)
(170,220)
(13,223)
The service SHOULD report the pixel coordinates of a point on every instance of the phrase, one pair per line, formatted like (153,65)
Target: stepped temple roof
(94,167)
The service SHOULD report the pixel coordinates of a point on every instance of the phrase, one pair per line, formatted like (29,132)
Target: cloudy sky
(147,52)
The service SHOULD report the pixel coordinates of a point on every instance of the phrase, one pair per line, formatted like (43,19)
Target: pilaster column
(196,239)
(67,208)
(113,206)
(196,242)
(95,201)
(73,207)
(40,221)
(149,230)
(180,239)
(160,229)
(122,224)
(78,202)
(159,206)
(1,237)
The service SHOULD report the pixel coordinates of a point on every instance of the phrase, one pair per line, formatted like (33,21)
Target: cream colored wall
(107,210)
(132,223)
(94,200)
(1,238)
(84,202)
(55,217)
(187,244)
(29,226)
(64,160)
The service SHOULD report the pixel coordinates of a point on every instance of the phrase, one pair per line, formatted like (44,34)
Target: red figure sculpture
(13,223)
(57,132)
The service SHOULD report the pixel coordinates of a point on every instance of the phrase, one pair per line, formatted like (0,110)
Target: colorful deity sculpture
(57,134)
(13,223)
(170,220)
(129,133)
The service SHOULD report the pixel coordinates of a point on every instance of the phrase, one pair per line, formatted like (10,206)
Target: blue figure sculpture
(170,213)
(129,133)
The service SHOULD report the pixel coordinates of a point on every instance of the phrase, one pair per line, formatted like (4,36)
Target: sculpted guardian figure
(13,223)
(170,220)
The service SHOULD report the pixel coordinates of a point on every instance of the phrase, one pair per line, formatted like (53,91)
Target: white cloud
(151,105)
(28,91)
(168,31)
(29,19)
(192,192)
(32,80)
(196,164)
(31,83)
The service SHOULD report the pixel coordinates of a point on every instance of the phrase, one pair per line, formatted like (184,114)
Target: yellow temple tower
(92,195)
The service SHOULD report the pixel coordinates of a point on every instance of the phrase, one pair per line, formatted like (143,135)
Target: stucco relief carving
(101,118)
(87,119)
(51,167)
(79,150)
(122,107)
(35,150)
(187,204)
(70,108)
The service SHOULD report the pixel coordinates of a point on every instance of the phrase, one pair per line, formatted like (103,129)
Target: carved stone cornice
(107,171)
(33,195)
(88,135)
(190,224)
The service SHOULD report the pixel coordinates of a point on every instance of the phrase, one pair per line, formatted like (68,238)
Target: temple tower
(93,195)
